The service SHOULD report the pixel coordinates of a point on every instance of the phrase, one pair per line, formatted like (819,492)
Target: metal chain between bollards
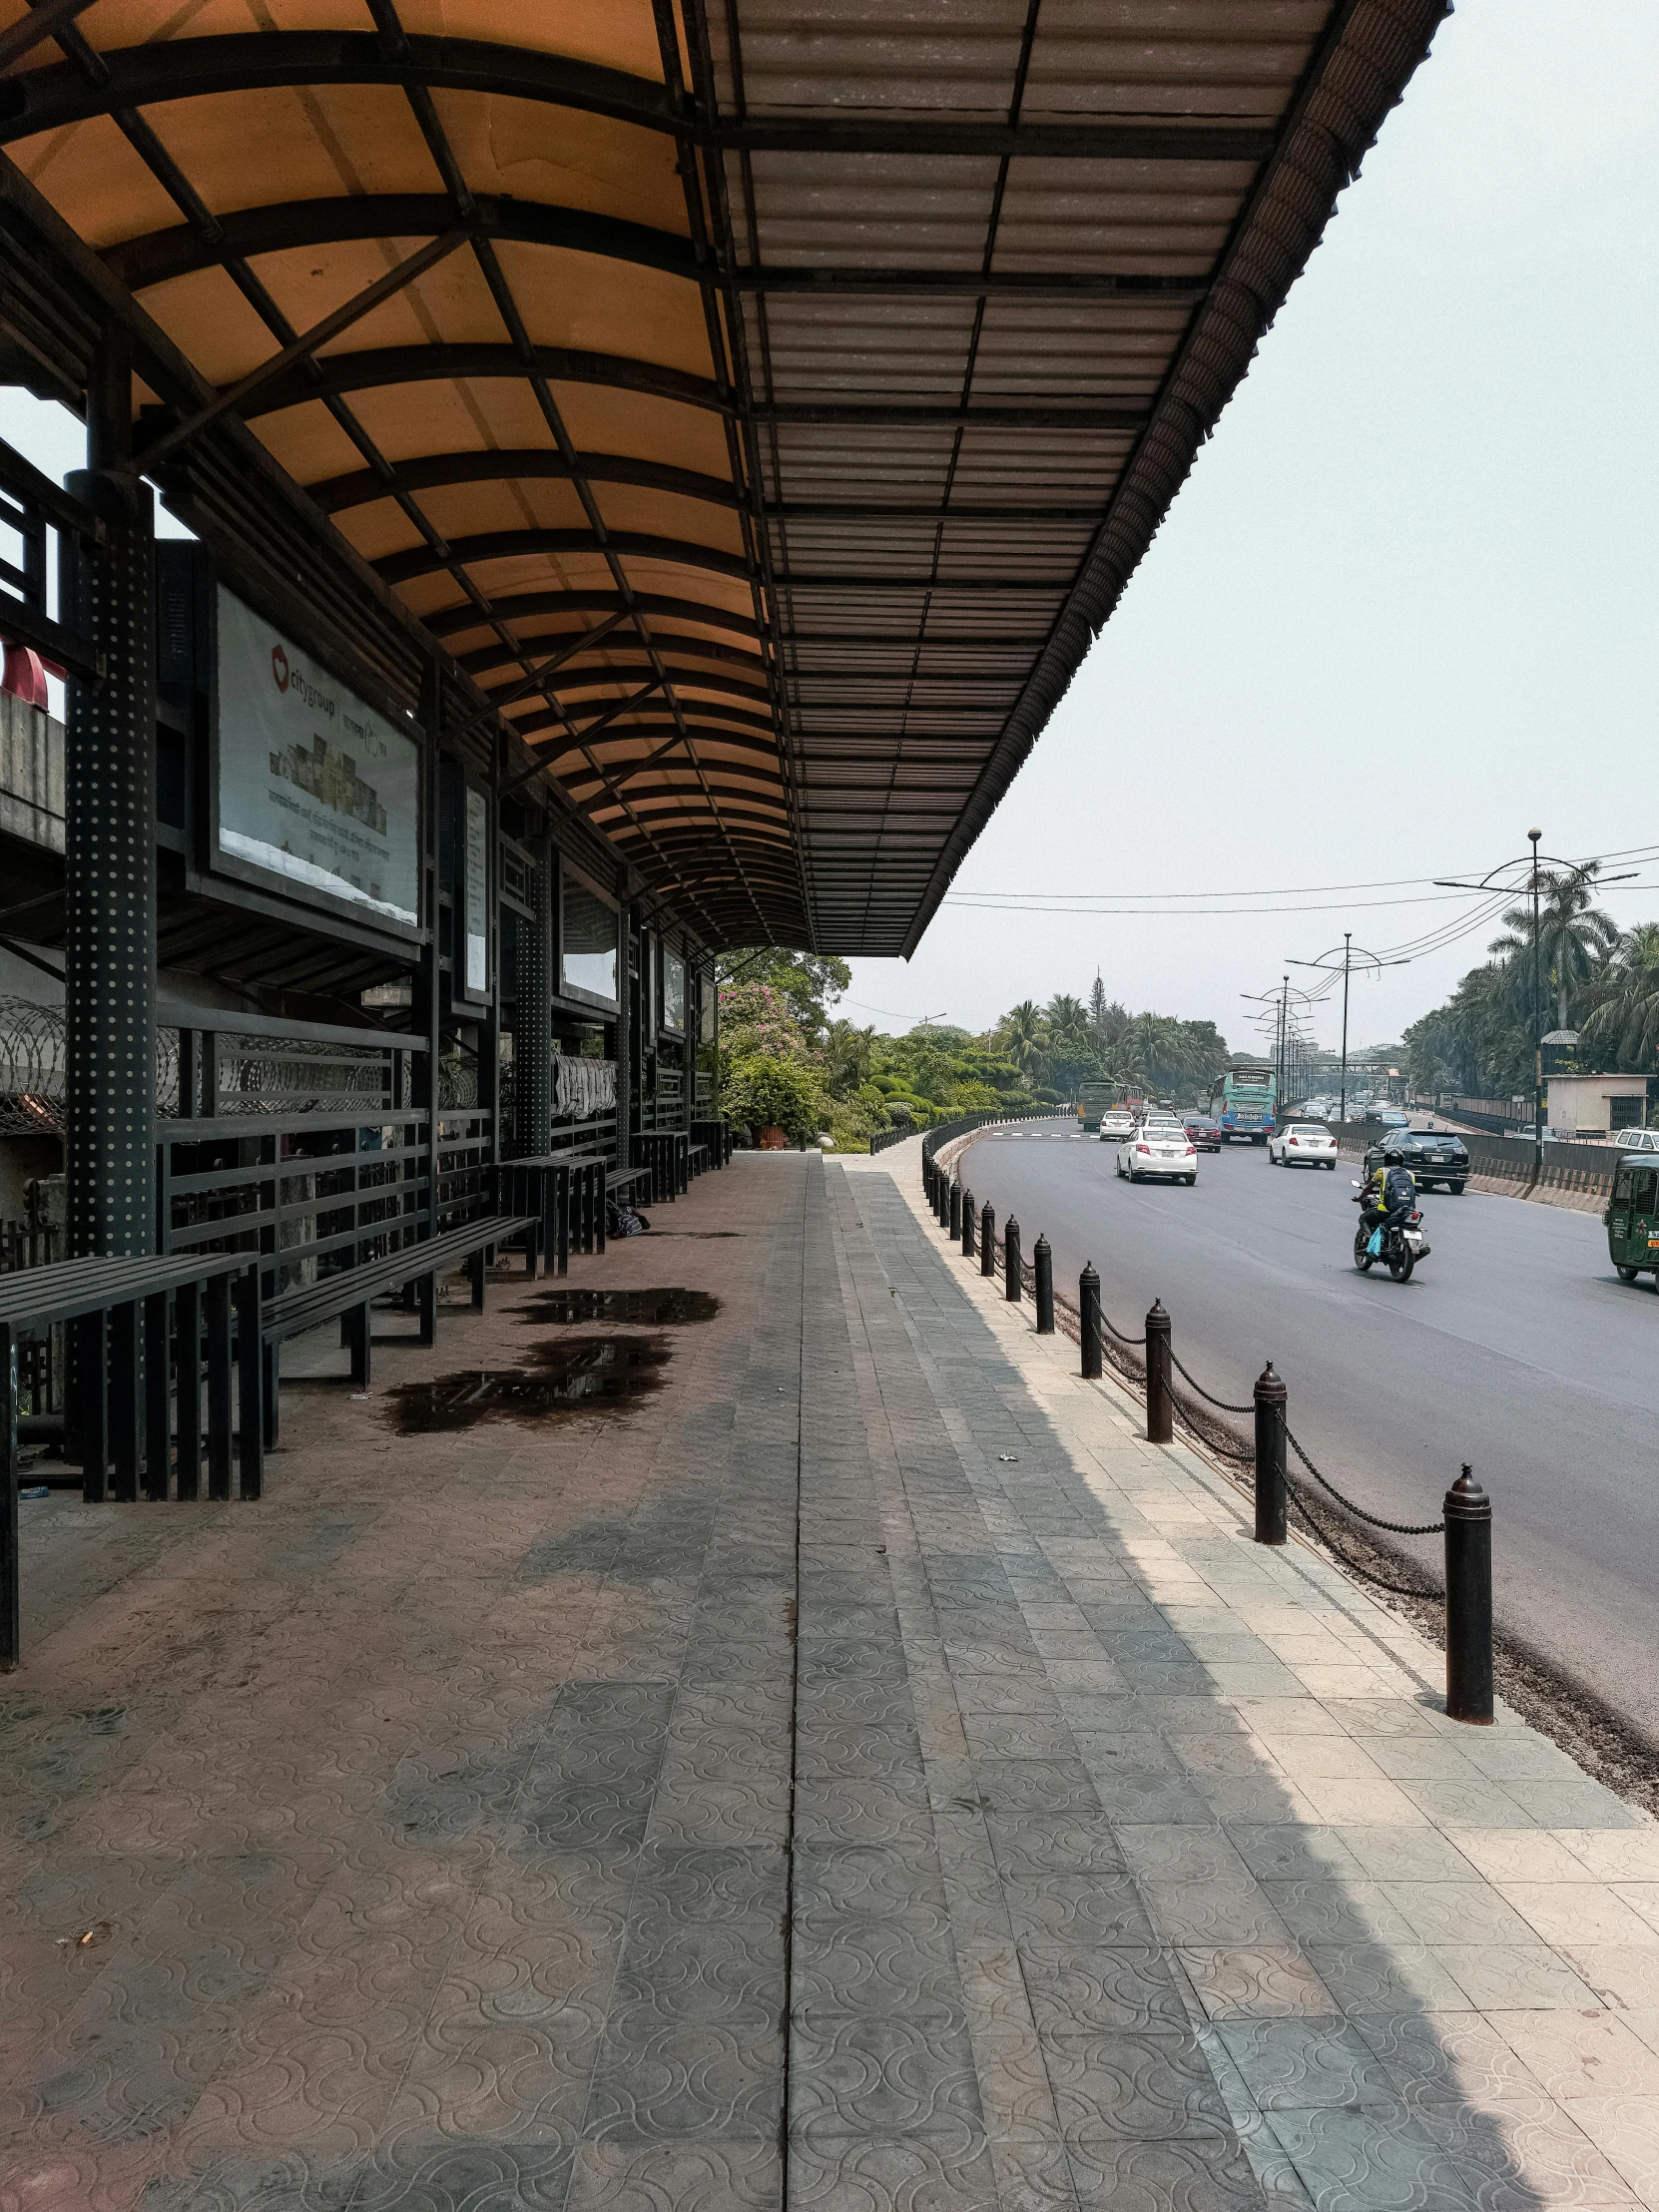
(1118,1333)
(1346,1559)
(1393,1528)
(1204,1393)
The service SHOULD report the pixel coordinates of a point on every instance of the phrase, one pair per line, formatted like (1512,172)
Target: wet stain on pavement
(647,1309)
(581,1374)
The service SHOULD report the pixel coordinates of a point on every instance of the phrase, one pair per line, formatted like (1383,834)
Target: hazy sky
(1403,611)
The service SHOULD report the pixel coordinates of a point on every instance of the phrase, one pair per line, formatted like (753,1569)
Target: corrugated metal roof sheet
(825,371)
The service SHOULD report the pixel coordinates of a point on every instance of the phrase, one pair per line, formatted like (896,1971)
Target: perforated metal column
(625,1036)
(110,886)
(533,1038)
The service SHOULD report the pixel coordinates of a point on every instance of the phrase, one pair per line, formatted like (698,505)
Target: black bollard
(942,1201)
(955,1211)
(1468,1602)
(1088,1314)
(987,1239)
(1042,1267)
(1160,1416)
(969,1219)
(1270,1458)
(1012,1266)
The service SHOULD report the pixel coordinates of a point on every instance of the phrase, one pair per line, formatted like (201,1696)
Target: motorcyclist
(1390,1198)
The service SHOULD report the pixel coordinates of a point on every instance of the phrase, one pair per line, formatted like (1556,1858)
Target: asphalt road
(1515,1347)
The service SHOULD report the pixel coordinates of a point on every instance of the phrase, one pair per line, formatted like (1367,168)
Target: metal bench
(565,1192)
(716,1136)
(633,1182)
(663,1155)
(349,1295)
(143,1329)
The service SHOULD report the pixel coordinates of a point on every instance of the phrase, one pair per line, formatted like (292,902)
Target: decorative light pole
(1375,963)
(1575,870)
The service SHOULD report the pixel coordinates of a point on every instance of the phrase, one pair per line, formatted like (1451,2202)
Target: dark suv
(1433,1155)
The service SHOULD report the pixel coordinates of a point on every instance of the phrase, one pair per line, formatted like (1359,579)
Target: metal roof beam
(197,68)
(921,415)
(971,283)
(416,364)
(504,545)
(251,61)
(485,658)
(345,218)
(1106,139)
(536,678)
(338,495)
(444,622)
(234,397)
(41,20)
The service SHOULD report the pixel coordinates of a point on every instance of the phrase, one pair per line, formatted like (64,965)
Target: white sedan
(1116,1123)
(1303,1145)
(1159,1148)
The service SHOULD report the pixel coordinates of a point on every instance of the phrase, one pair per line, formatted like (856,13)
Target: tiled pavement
(865,1776)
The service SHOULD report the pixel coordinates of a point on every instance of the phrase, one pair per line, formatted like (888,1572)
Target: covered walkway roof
(764,405)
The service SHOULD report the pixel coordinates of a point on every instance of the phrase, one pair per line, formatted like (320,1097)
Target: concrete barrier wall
(1586,1168)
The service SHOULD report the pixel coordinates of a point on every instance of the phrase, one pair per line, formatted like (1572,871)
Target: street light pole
(1347,945)
(1537,1025)
(1574,871)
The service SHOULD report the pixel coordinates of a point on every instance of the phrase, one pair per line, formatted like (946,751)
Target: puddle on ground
(579,1374)
(645,1308)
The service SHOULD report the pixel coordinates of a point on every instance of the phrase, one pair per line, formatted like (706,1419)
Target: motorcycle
(1404,1244)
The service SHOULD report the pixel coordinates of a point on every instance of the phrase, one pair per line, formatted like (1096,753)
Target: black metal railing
(1465,1520)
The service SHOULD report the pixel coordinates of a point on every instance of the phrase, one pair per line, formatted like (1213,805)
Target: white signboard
(314,786)
(477,894)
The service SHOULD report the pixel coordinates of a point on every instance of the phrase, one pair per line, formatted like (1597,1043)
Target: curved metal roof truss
(763,422)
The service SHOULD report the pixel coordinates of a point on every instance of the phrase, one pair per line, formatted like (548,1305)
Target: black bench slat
(312,1303)
(33,1298)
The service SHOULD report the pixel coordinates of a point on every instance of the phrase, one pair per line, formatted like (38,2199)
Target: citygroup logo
(280,666)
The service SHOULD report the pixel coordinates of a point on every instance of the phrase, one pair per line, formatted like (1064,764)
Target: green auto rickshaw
(1632,1220)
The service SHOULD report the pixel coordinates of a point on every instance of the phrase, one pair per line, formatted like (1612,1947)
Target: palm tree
(848,1051)
(1068,1040)
(1628,1016)
(1021,1030)
(1575,939)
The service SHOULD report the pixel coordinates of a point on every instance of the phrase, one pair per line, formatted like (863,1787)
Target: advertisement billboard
(314,788)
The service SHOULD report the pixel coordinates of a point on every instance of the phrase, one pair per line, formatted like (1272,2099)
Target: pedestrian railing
(963,1125)
(1466,1520)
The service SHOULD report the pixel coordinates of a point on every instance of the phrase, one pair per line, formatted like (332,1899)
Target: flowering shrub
(755,1019)
(770,1092)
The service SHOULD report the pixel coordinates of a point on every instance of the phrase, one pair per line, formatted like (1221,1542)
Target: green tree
(809,982)
(772,1093)
(1022,1034)
(1626,1017)
(1576,937)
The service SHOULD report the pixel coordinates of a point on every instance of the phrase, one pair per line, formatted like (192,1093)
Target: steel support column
(110,847)
(428,991)
(533,1035)
(625,1015)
